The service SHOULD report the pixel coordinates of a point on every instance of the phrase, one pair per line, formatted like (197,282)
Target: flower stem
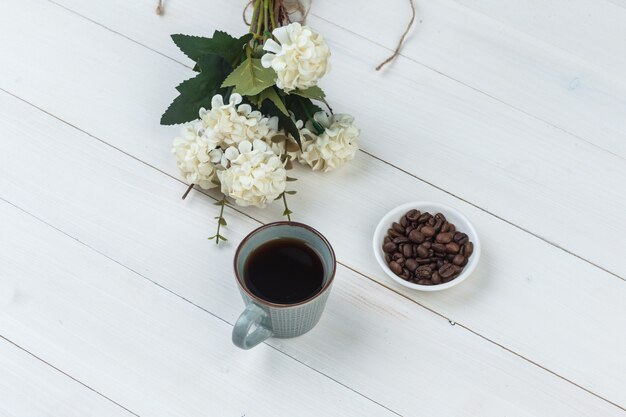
(188,190)
(266,13)
(287,212)
(272,10)
(221,221)
(259,24)
(255,16)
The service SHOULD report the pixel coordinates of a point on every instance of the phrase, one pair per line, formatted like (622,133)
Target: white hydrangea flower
(196,156)
(255,175)
(300,59)
(234,122)
(334,147)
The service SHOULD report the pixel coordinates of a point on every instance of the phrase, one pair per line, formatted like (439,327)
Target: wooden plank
(159,355)
(506,162)
(140,345)
(529,287)
(594,31)
(492,55)
(372,340)
(29,387)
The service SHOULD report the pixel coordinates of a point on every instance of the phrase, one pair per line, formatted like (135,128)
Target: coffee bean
(411,264)
(428,231)
(444,238)
(458,236)
(423,272)
(426,249)
(395,267)
(458,260)
(446,271)
(389,247)
(422,251)
(439,247)
(416,236)
(413,215)
(406,274)
(423,218)
(452,247)
(398,227)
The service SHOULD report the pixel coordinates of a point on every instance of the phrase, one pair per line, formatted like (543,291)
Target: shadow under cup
(280,320)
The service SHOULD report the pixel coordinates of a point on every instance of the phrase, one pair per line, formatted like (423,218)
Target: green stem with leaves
(221,221)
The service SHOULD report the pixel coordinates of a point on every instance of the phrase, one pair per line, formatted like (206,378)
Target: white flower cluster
(227,147)
(241,151)
(334,147)
(300,57)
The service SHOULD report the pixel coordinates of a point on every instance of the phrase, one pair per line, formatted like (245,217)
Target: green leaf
(287,212)
(314,92)
(271,94)
(284,122)
(196,92)
(212,237)
(222,238)
(291,192)
(222,221)
(302,107)
(279,197)
(221,44)
(290,179)
(250,78)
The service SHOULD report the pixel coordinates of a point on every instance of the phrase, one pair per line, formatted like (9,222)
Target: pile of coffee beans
(426,249)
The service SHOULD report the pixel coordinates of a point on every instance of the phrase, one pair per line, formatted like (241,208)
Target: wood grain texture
(484,307)
(370,339)
(141,345)
(29,387)
(523,170)
(509,61)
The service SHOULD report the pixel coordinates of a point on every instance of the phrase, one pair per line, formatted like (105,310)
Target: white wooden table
(114,303)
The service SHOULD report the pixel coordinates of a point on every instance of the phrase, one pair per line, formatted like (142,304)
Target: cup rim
(262,301)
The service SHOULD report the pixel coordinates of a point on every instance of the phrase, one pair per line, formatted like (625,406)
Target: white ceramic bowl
(454,216)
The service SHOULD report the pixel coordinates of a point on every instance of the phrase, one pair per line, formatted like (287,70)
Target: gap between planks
(365,275)
(140,275)
(366,152)
(400,54)
(35,357)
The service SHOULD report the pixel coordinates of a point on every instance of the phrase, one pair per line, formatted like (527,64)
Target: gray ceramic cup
(263,319)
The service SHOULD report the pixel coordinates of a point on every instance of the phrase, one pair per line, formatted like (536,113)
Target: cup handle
(253,314)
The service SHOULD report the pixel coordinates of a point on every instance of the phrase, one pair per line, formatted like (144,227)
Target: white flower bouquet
(254,107)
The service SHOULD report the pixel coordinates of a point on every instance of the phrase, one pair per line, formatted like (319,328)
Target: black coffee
(284,271)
